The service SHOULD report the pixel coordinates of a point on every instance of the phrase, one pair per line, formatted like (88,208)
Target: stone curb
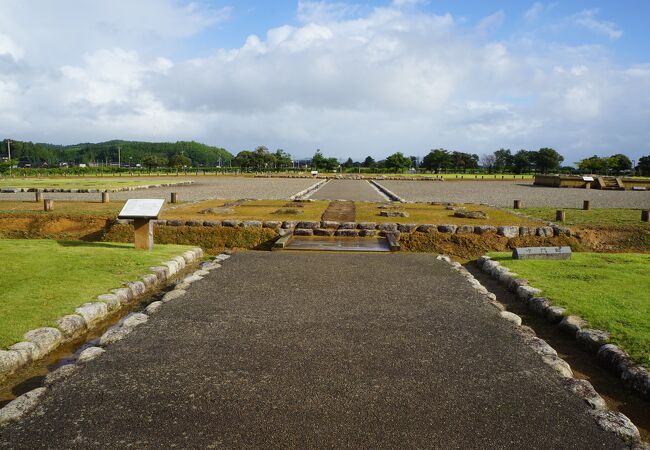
(305,193)
(94,191)
(387,192)
(593,341)
(610,421)
(27,402)
(40,342)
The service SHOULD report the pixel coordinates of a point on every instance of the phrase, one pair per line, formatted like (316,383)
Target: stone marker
(560,215)
(645,215)
(174,197)
(586,205)
(542,253)
(39,196)
(48,204)
(106,197)
(517,204)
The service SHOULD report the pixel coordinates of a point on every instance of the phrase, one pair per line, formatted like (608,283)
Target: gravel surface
(503,193)
(357,190)
(231,188)
(313,350)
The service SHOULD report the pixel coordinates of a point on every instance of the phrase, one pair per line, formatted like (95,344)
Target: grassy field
(106,182)
(610,291)
(438,214)
(63,207)
(43,280)
(593,218)
(250,210)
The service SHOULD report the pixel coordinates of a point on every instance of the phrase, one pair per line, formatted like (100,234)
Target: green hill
(132,152)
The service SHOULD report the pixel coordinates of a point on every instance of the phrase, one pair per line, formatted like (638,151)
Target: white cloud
(588,19)
(393,78)
(534,11)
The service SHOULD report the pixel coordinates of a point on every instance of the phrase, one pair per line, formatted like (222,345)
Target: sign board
(314,172)
(587,178)
(542,253)
(141,208)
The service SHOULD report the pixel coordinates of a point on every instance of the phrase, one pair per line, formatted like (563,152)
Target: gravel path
(356,190)
(231,188)
(313,350)
(502,193)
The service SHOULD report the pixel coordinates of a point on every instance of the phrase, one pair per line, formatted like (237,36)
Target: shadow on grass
(91,244)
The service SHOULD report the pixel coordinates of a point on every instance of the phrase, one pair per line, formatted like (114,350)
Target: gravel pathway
(356,190)
(313,350)
(204,188)
(502,193)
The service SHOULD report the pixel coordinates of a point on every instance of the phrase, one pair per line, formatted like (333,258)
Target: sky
(348,78)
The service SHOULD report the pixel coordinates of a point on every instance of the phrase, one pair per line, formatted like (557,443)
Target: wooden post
(48,204)
(143,229)
(585,205)
(39,196)
(106,198)
(174,197)
(560,215)
(517,204)
(645,215)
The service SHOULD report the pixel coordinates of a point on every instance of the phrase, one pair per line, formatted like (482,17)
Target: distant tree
(503,160)
(349,163)
(620,163)
(369,162)
(522,162)
(397,161)
(488,162)
(7,164)
(437,160)
(153,161)
(319,162)
(547,160)
(643,167)
(593,164)
(178,161)
(282,159)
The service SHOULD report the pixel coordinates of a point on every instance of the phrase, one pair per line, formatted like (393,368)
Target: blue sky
(352,79)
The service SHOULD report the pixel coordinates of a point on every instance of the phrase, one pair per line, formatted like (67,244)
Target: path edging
(94,191)
(595,341)
(40,342)
(27,402)
(610,421)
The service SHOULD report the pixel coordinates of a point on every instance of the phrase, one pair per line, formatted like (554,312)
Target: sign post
(142,211)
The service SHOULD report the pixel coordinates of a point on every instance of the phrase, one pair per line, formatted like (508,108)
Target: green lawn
(43,280)
(110,182)
(598,217)
(610,291)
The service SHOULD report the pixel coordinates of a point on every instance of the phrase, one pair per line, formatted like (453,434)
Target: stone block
(251,224)
(509,232)
(347,226)
(303,232)
(271,224)
(46,339)
(465,229)
(346,233)
(367,225)
(323,232)
(71,325)
(92,312)
(447,228)
(484,229)
(329,224)
(391,227)
(591,340)
(406,227)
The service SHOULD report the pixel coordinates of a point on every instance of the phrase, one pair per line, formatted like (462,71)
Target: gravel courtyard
(502,193)
(356,190)
(203,188)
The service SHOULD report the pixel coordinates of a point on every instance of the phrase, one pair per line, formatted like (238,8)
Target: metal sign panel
(142,208)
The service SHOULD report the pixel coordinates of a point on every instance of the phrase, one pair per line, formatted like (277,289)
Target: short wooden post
(143,229)
(48,204)
(560,215)
(586,205)
(39,196)
(106,198)
(517,204)
(645,215)
(174,198)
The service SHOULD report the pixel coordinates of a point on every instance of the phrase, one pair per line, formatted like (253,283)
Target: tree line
(193,154)
(128,153)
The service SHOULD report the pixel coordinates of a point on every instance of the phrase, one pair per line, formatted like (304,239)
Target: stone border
(27,402)
(41,342)
(594,341)
(611,421)
(94,191)
(365,229)
(387,192)
(306,193)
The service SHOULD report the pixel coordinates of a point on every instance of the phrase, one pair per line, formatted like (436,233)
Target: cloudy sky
(352,79)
